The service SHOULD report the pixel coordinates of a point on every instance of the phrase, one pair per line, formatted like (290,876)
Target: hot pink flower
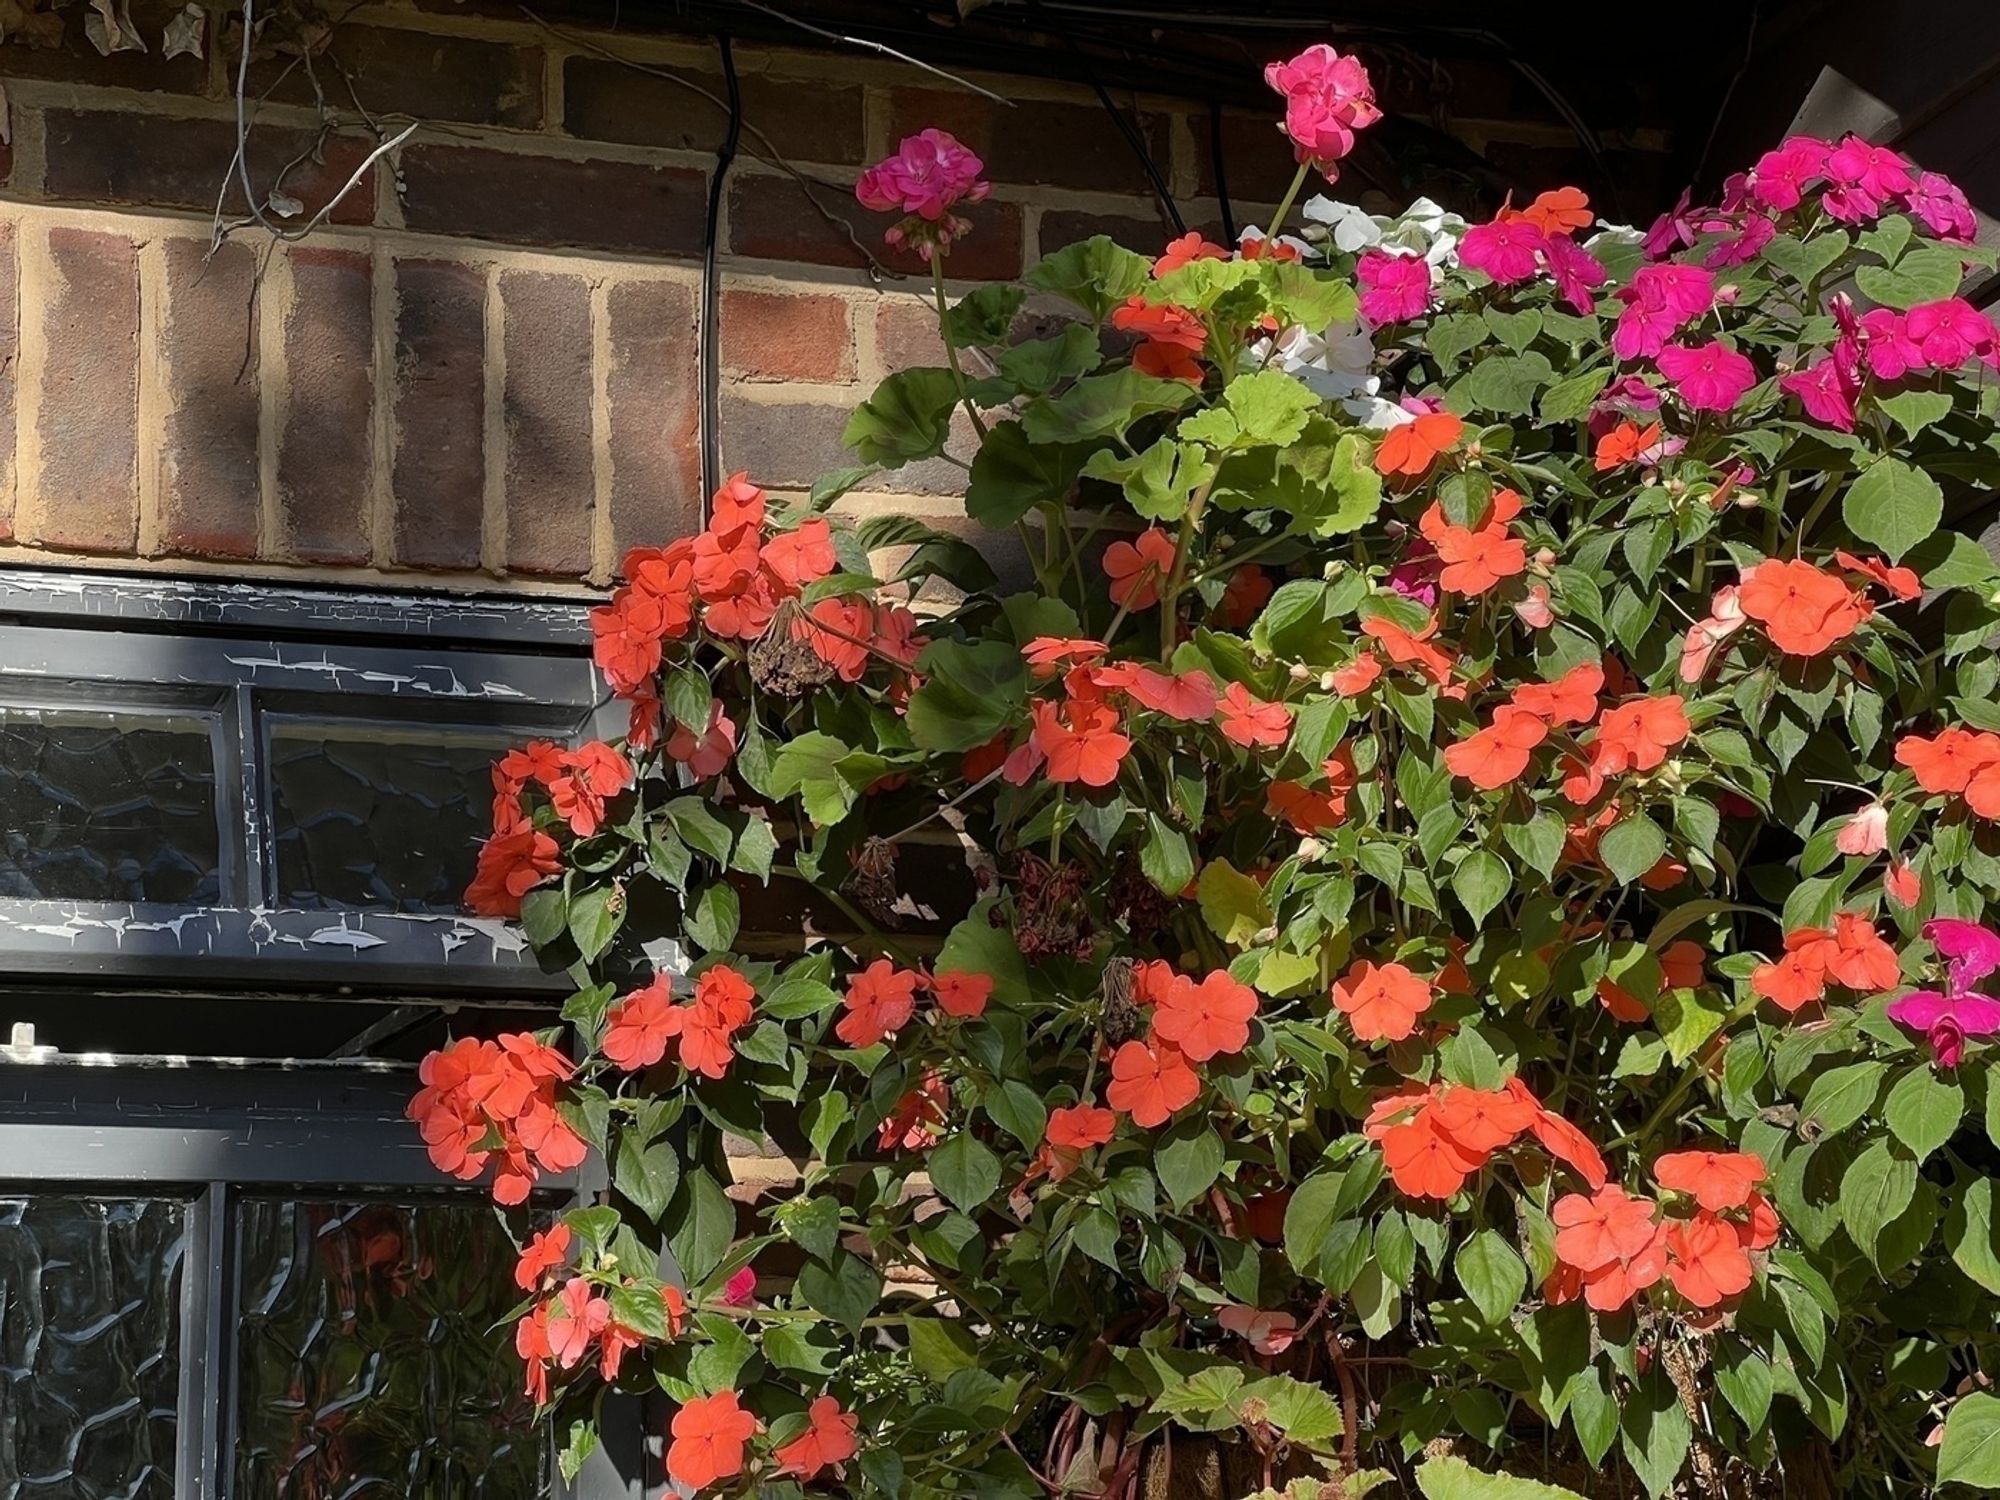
(1780,177)
(1937,201)
(1505,250)
(1827,389)
(1950,332)
(1577,273)
(1865,178)
(1658,302)
(1327,98)
(1393,287)
(1709,377)
(1671,230)
(1887,346)
(1744,246)
(930,173)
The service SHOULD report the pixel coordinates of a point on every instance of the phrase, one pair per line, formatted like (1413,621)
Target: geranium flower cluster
(495,1101)
(929,175)
(1328,97)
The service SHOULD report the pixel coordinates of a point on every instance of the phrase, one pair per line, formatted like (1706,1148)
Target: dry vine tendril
(1480,831)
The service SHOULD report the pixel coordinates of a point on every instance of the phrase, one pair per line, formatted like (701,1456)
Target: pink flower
(1886,344)
(709,753)
(1939,203)
(1865,178)
(1534,611)
(740,1290)
(929,173)
(1629,396)
(1950,332)
(1267,1332)
(1576,271)
(1416,576)
(1827,389)
(1658,302)
(1394,288)
(1327,98)
(1947,1021)
(1744,246)
(1506,249)
(1866,833)
(1706,637)
(1709,377)
(1778,182)
(1671,230)
(1972,951)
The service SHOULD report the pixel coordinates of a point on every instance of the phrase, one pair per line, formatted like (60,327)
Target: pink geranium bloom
(1708,377)
(1887,346)
(1328,97)
(1394,288)
(1950,332)
(1577,272)
(929,174)
(1744,246)
(1866,833)
(1937,201)
(1505,250)
(1827,389)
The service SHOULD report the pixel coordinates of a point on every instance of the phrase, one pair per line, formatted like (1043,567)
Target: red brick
(395,71)
(88,434)
(773,336)
(806,120)
(76,60)
(1256,158)
(111,156)
(547,473)
(209,492)
(10,358)
(1146,233)
(547,200)
(791,444)
(1039,142)
(654,387)
(906,334)
(438,474)
(772,219)
(326,470)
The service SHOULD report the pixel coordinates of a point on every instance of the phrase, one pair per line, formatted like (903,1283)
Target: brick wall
(483,367)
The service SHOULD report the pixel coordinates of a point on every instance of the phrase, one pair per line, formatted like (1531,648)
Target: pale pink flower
(1708,377)
(1534,611)
(1505,250)
(1394,288)
(1866,833)
(1267,1332)
(1328,97)
(1942,207)
(1706,637)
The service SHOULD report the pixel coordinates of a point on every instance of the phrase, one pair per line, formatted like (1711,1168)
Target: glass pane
(379,816)
(107,807)
(90,1308)
(368,1364)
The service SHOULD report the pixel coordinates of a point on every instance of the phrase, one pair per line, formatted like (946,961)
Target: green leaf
(1493,1275)
(941,1347)
(965,1171)
(1481,882)
(1040,365)
(1449,1478)
(1232,903)
(1893,505)
(985,317)
(1305,1414)
(1686,1019)
(1567,400)
(1011,476)
(1876,1187)
(1017,1109)
(1971,1234)
(1840,1096)
(1923,1110)
(1309,1216)
(1102,406)
(1953,560)
(595,915)
(1539,841)
(1971,1451)
(845,1289)
(825,774)
(1656,1431)
(1165,858)
(1744,1377)
(1631,846)
(1187,1159)
(704,1223)
(1913,411)
(647,1172)
(1096,274)
(812,1223)
(543,915)
(970,690)
(1269,407)
(1506,384)
(1159,482)
(1593,1412)
(977,946)
(1515,330)
(1927,275)
(1299,294)
(908,417)
(713,919)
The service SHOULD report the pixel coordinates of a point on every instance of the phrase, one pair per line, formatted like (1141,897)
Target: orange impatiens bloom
(1207,1019)
(1080,741)
(1594,1231)
(1624,444)
(1406,649)
(1798,978)
(1250,722)
(1948,762)
(1803,608)
(1414,446)
(1851,953)
(1706,1259)
(1424,1160)
(1483,1120)
(1683,965)
(1562,210)
(1358,676)
(1138,568)
(1495,756)
(1570,699)
(1476,557)
(1051,655)
(546,1252)
(1079,1127)
(828,1441)
(722,1006)
(1902,582)
(639,1027)
(1149,1081)
(962,992)
(1860,959)
(1187,696)
(1381,1001)
(709,1434)
(1636,736)
(880,1001)
(1717,1180)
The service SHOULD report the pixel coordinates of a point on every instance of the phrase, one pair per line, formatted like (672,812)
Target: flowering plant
(1396,935)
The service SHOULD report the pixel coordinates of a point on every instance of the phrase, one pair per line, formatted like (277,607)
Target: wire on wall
(711,288)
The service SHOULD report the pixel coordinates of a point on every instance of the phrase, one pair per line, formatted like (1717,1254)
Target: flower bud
(1330,572)
(1748,500)
(1327,680)
(1473,451)
(1266,935)
(1727,294)
(1301,672)
(1545,559)
(1676,488)
(1311,849)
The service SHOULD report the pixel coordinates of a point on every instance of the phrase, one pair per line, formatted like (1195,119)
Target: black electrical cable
(1138,144)
(711,287)
(1216,161)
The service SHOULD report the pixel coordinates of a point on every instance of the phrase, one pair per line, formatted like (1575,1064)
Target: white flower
(1337,365)
(1353,228)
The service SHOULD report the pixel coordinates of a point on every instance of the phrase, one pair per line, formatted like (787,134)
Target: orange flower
(1948,762)
(1408,650)
(1251,722)
(1495,756)
(1187,696)
(1250,589)
(1413,447)
(1567,1143)
(1080,1127)
(1760,1230)
(1902,884)
(1570,699)
(1358,676)
(1483,1120)
(1081,743)
(828,1441)
(1717,1180)
(1617,1284)
(1599,1230)
(1137,569)
(1165,361)
(545,1253)
(1562,210)
(1622,1003)
(1050,655)
(1475,558)
(921,1113)
(1798,978)
(1859,958)
(1804,609)
(1902,582)
(1381,1002)
(1189,248)
(1207,1019)
(1424,1161)
(1683,965)
(1982,793)
(640,1026)
(709,1434)
(1706,1260)
(962,992)
(1624,443)
(1149,1081)
(880,1001)
(1636,736)
(1163,323)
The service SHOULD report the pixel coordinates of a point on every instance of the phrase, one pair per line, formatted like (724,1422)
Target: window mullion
(246,762)
(207,1316)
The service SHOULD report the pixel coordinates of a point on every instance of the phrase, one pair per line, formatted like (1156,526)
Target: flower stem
(950,348)
(1285,204)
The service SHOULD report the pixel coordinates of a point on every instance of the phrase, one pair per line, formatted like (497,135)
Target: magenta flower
(1875,171)
(1505,250)
(1709,377)
(1743,246)
(1393,287)
(1416,576)
(929,174)
(1659,301)
(1886,344)
(740,1290)
(1949,1020)
(1780,178)
(1327,98)
(1971,951)
(1827,388)
(1627,396)
(1937,201)
(1950,332)
(1577,272)
(1671,230)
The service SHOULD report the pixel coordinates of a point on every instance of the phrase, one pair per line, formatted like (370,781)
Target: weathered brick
(807,120)
(772,219)
(653,386)
(547,200)
(790,444)
(326,469)
(1145,233)
(1038,142)
(906,334)
(10,358)
(776,336)
(75,60)
(87,437)
(546,410)
(209,492)
(396,71)
(1256,158)
(439,471)
(113,156)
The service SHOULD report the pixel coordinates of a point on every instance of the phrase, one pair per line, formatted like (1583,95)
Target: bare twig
(883,48)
